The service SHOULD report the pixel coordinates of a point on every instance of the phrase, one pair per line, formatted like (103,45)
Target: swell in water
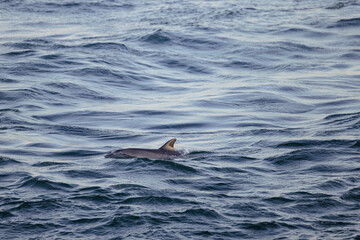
(262,97)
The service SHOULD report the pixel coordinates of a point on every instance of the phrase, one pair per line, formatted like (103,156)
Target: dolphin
(167,151)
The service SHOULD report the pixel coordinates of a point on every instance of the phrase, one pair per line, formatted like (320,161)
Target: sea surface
(262,96)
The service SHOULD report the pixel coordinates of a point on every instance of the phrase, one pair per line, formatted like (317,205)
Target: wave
(163,37)
(177,167)
(154,200)
(157,37)
(352,195)
(28,94)
(105,46)
(50,164)
(76,153)
(24,53)
(158,166)
(183,126)
(265,101)
(50,7)
(5,161)
(185,65)
(267,226)
(334,143)
(33,228)
(333,185)
(344,23)
(305,32)
(267,112)
(89,174)
(343,4)
(44,184)
(301,156)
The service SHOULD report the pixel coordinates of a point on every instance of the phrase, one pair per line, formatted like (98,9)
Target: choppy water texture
(263,97)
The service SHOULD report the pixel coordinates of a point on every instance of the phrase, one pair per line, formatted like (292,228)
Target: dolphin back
(167,151)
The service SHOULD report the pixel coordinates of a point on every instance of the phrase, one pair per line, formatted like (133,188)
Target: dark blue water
(263,97)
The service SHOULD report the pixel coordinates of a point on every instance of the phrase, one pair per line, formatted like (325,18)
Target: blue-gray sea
(262,96)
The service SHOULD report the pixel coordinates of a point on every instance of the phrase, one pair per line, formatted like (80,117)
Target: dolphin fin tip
(169,145)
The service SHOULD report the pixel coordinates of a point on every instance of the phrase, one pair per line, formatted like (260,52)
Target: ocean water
(262,96)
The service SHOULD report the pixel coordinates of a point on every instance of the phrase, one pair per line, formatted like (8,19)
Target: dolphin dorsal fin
(169,145)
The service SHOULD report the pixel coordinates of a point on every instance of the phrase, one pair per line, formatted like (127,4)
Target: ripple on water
(80,116)
(77,91)
(6,214)
(29,94)
(72,130)
(331,185)
(305,32)
(139,165)
(301,157)
(267,226)
(32,227)
(76,153)
(128,187)
(352,195)
(157,37)
(6,161)
(198,214)
(87,174)
(22,53)
(8,80)
(42,183)
(155,200)
(50,164)
(328,168)
(349,22)
(185,65)
(250,210)
(106,46)
(28,44)
(340,5)
(317,143)
(265,101)
(317,203)
(272,103)
(36,206)
(175,166)
(179,126)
